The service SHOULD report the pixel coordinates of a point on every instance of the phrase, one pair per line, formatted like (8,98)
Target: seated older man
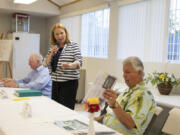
(38,78)
(131,111)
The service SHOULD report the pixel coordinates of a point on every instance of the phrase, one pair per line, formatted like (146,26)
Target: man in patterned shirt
(131,111)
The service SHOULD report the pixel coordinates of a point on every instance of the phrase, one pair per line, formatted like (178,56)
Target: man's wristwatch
(115,105)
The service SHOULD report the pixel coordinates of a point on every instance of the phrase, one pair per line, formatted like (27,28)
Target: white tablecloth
(44,112)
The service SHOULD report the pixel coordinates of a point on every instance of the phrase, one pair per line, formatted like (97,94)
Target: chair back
(149,128)
(172,123)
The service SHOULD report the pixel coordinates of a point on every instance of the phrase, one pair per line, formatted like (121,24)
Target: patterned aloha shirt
(139,103)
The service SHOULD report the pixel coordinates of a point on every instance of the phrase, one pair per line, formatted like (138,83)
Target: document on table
(77,127)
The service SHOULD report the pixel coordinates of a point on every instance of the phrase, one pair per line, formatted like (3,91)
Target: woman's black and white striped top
(70,53)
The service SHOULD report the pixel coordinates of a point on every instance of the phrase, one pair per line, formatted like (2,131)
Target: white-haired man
(131,111)
(38,78)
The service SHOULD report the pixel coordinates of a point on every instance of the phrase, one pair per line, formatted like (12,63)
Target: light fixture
(24,1)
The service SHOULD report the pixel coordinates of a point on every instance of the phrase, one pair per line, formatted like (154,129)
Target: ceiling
(56,4)
(63,3)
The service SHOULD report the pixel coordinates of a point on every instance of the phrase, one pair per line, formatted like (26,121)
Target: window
(174,31)
(95,34)
(141,30)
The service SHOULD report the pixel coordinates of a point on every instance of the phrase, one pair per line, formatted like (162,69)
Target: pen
(20,99)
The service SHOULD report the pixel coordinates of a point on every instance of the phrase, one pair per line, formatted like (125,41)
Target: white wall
(38,25)
(49,23)
(5,24)
(112,64)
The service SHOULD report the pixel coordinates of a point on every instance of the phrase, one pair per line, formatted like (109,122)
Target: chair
(157,112)
(172,123)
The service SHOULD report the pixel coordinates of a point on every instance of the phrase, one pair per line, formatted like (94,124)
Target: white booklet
(74,126)
(103,81)
(77,127)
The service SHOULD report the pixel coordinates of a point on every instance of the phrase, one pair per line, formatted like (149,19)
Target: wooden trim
(0,69)
(73,2)
(126,2)
(10,69)
(54,3)
(9,66)
(64,5)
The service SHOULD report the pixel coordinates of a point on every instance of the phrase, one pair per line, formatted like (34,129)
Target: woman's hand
(65,65)
(110,96)
(54,50)
(73,65)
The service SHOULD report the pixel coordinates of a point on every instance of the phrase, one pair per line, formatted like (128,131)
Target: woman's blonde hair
(52,38)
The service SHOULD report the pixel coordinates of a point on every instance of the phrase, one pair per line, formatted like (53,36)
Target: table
(171,101)
(44,112)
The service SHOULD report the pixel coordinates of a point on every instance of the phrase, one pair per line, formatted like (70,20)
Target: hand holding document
(103,81)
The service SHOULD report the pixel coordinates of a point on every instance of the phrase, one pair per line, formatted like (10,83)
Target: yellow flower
(93,100)
(162,76)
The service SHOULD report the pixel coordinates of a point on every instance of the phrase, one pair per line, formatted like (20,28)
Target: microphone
(58,43)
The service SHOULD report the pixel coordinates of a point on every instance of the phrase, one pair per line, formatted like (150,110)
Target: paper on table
(3,94)
(77,127)
(72,125)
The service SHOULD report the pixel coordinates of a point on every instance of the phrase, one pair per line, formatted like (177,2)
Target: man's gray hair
(135,62)
(37,57)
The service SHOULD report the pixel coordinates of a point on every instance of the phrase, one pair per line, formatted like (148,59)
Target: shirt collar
(137,86)
(39,68)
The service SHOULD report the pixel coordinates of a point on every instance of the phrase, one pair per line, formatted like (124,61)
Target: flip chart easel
(5,54)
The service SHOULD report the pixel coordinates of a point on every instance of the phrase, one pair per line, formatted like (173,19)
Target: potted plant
(164,81)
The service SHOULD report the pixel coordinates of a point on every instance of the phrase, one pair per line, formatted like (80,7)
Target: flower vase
(91,124)
(164,89)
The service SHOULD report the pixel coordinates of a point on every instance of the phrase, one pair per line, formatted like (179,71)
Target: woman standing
(63,60)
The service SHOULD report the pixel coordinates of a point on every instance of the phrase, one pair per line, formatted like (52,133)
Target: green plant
(162,78)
